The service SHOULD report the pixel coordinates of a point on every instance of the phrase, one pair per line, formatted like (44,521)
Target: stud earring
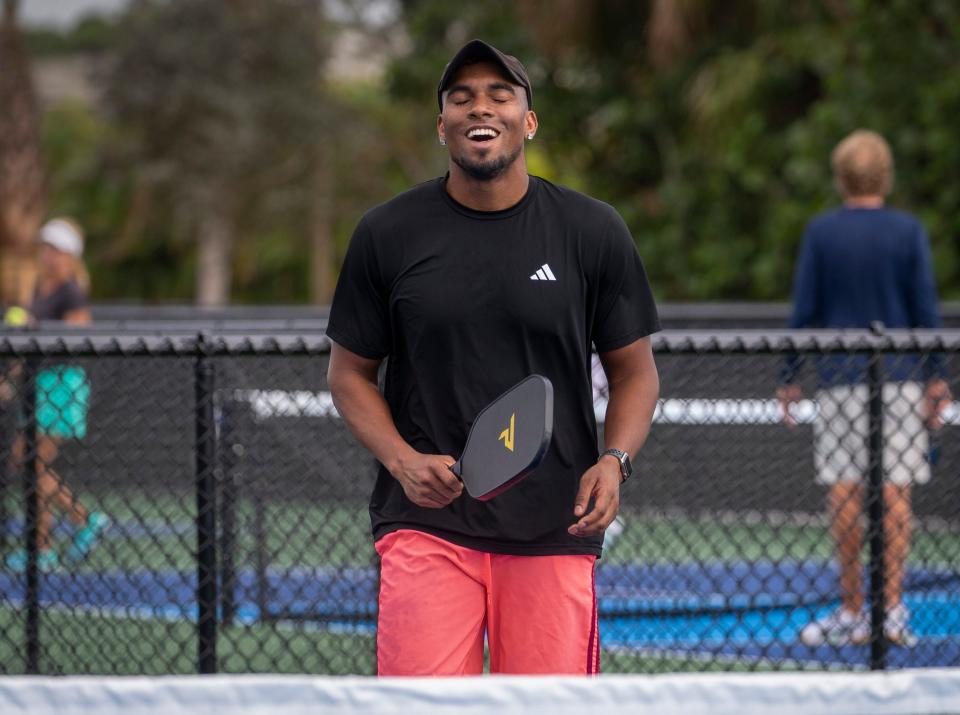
(530,136)
(443,142)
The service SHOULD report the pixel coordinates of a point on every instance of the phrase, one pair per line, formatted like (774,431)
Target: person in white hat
(62,396)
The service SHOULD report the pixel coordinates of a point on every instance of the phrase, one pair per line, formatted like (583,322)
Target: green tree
(224,121)
(709,124)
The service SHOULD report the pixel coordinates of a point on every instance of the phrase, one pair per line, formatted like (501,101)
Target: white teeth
(481,132)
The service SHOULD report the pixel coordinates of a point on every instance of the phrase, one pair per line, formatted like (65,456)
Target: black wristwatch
(626,469)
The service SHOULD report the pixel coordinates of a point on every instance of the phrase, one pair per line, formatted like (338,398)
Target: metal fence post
(875,513)
(31,513)
(7,476)
(206,454)
(260,560)
(230,452)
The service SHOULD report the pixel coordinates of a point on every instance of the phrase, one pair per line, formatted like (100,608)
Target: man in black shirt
(468,284)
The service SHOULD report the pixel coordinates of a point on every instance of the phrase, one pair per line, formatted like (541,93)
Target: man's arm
(426,478)
(634,388)
(926,314)
(922,295)
(805,314)
(806,289)
(78,316)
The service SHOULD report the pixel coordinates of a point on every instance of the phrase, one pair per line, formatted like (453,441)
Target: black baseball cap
(479,51)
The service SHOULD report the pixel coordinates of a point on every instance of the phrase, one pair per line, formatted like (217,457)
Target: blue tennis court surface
(744,611)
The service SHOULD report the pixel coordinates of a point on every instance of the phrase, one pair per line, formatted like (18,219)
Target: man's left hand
(601,485)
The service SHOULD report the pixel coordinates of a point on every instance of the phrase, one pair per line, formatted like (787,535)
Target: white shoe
(896,627)
(842,627)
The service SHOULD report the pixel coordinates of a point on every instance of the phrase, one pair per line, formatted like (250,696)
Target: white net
(905,692)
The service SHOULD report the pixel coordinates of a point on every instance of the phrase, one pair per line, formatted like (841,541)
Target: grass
(157,532)
(89,643)
(669,539)
(161,536)
(99,644)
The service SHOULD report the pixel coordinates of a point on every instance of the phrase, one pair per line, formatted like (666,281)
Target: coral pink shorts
(437,600)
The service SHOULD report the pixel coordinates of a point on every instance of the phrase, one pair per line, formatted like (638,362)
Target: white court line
(288,403)
(267,404)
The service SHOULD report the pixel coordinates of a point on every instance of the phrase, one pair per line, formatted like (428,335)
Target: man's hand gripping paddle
(508,440)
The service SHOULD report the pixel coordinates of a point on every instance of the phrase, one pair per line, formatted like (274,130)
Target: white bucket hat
(62,236)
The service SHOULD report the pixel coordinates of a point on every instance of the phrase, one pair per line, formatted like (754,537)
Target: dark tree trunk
(22,181)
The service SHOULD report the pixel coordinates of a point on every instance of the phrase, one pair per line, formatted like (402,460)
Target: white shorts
(841,434)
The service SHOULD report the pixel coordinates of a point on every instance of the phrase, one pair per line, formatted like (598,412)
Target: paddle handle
(456,468)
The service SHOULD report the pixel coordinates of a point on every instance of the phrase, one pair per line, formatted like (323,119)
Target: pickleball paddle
(508,439)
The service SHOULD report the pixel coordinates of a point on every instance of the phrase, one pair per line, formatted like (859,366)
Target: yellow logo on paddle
(507,434)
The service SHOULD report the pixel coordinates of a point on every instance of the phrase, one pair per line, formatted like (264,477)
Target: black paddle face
(508,440)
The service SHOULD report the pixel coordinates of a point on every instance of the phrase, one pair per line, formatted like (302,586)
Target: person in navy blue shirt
(859,264)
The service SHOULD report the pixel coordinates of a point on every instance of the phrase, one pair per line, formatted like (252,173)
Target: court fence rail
(191,502)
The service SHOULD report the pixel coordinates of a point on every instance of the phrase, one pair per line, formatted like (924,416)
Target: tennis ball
(16,316)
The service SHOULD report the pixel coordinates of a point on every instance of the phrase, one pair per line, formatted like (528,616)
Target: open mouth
(482,134)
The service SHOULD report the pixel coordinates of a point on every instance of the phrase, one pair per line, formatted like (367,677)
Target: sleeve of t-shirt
(805,313)
(359,315)
(805,290)
(923,289)
(626,310)
(924,312)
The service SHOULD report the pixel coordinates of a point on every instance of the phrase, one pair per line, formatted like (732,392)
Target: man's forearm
(368,417)
(630,411)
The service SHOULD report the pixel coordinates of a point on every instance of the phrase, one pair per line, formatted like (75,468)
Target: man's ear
(531,123)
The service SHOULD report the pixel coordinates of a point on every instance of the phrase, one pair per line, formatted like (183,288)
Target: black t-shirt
(465,304)
(67,297)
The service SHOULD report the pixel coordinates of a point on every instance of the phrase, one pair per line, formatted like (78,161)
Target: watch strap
(624,460)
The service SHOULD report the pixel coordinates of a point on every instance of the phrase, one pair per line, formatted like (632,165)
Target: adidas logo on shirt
(543,274)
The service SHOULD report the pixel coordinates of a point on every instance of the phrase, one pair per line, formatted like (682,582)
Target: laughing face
(484,121)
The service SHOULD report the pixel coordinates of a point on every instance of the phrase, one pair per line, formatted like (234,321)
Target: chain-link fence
(196,504)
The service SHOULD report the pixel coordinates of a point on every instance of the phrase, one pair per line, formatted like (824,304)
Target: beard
(489,169)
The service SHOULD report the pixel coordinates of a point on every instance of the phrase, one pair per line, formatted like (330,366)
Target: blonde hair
(79,271)
(862,165)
